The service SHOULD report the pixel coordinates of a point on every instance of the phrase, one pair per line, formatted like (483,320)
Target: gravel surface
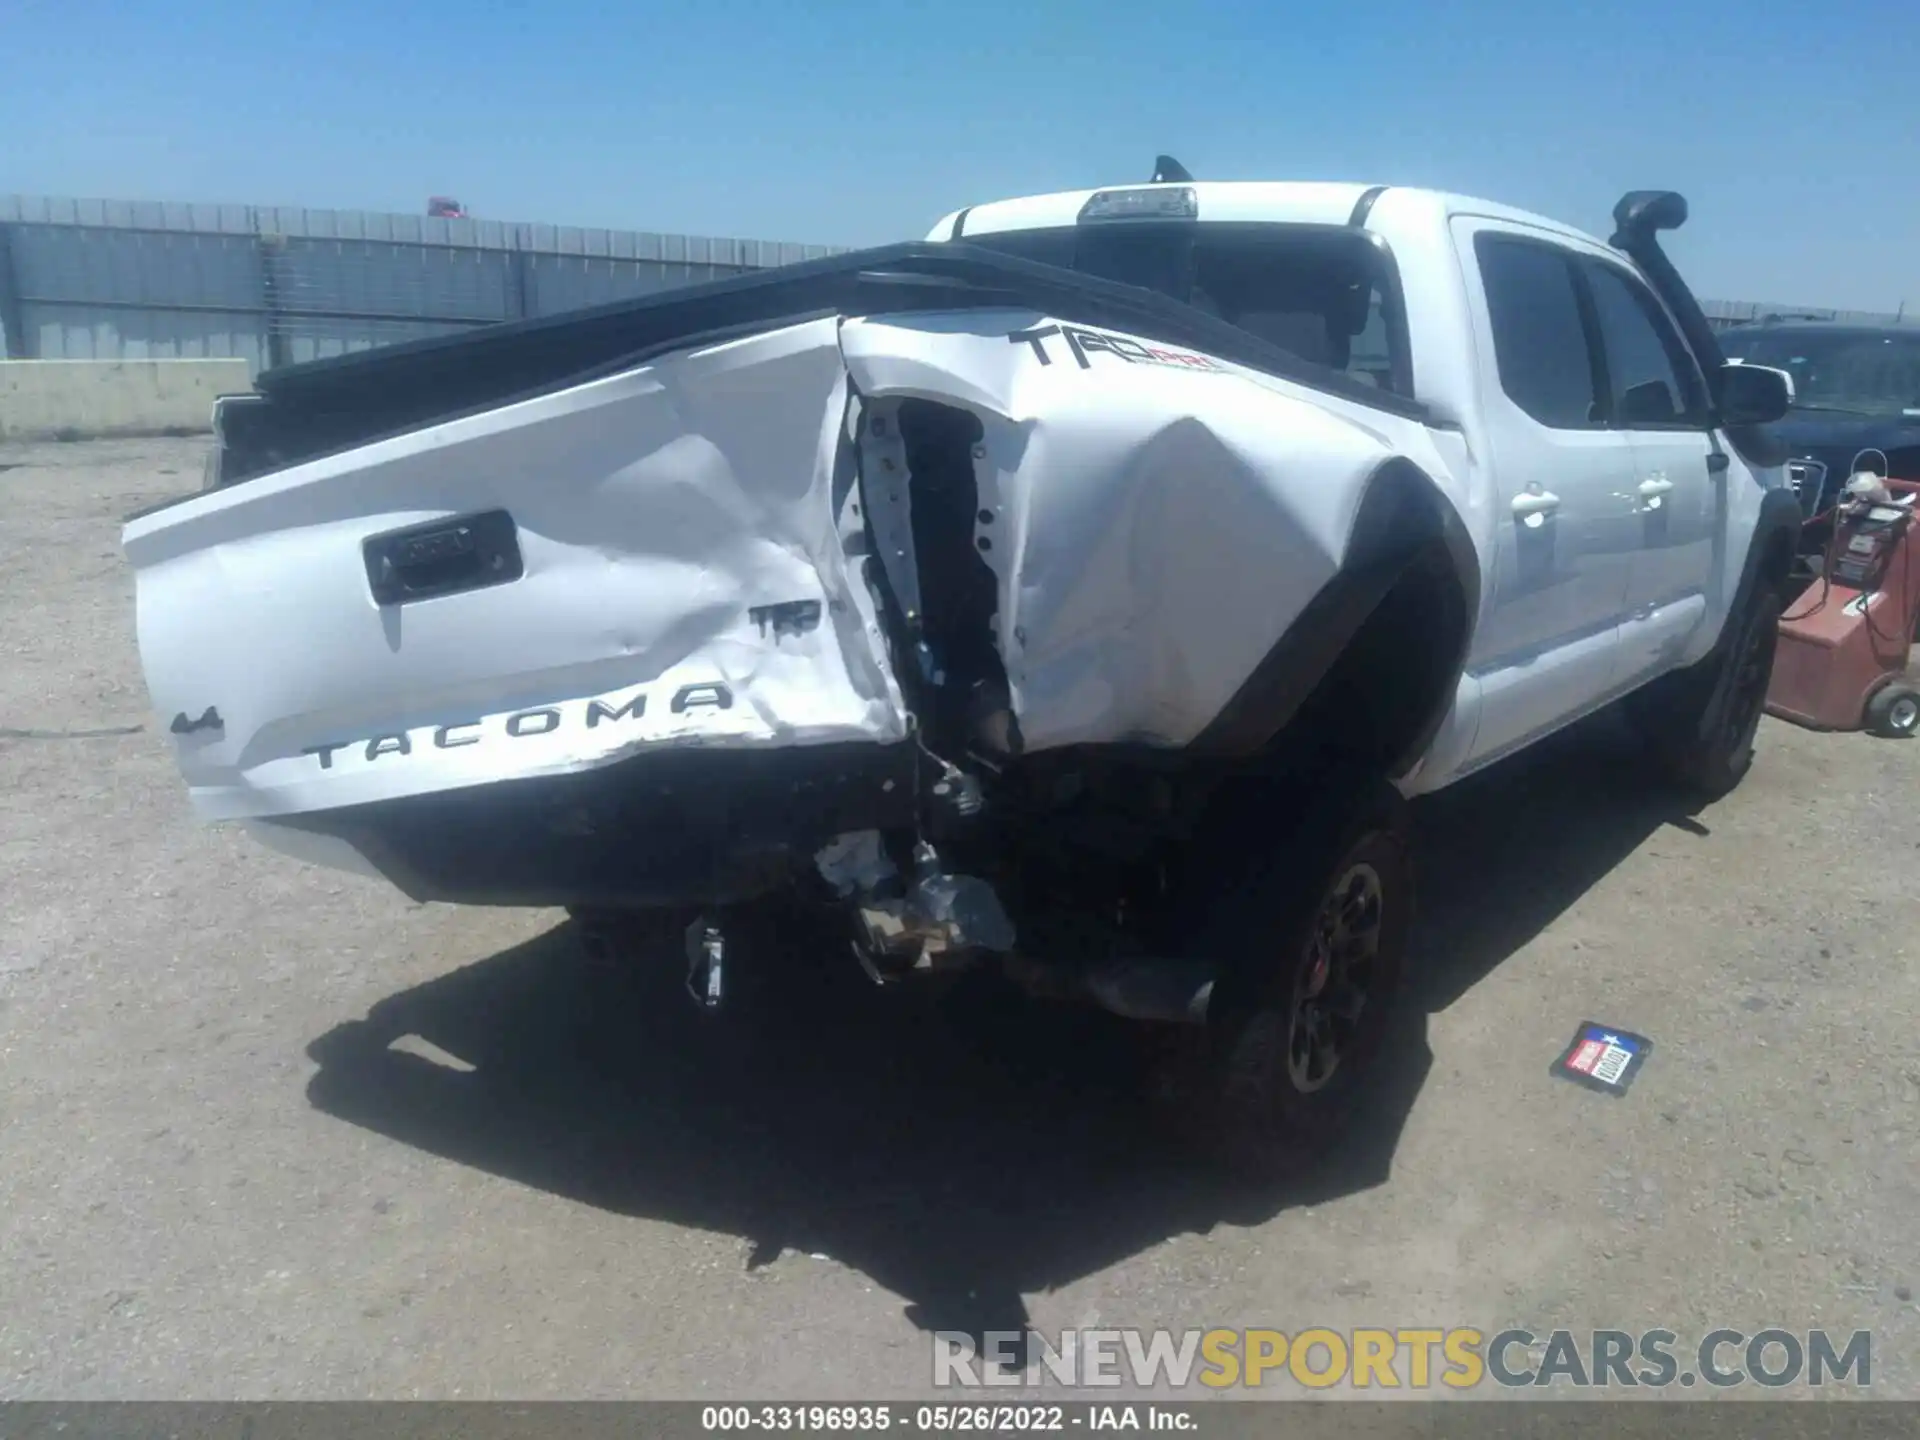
(271,1132)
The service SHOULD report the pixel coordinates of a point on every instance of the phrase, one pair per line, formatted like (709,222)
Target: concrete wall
(122,280)
(81,399)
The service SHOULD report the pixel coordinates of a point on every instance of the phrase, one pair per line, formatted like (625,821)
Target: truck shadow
(960,1154)
(1504,853)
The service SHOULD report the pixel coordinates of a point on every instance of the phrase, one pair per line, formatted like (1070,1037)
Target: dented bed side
(1151,527)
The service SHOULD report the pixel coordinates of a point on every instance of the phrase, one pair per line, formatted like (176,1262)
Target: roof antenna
(1169,171)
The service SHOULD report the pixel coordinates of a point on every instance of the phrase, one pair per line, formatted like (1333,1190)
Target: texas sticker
(1603,1058)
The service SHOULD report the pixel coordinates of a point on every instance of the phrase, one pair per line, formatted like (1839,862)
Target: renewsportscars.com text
(1414,1359)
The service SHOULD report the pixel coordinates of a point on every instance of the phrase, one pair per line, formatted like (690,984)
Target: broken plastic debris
(966,909)
(854,861)
(426,1050)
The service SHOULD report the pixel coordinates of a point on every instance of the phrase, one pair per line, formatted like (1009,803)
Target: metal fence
(1726,315)
(105,279)
(84,280)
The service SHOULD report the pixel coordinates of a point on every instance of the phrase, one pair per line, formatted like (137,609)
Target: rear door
(1658,399)
(1546,648)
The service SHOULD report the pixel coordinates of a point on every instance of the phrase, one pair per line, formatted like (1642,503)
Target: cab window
(1321,293)
(1540,347)
(1652,381)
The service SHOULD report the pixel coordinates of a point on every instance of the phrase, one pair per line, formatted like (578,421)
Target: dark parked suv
(1856,401)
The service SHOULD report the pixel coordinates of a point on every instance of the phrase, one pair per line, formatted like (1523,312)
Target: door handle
(1653,489)
(1534,505)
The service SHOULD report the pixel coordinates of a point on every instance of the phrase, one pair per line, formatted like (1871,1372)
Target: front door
(1546,648)
(1658,399)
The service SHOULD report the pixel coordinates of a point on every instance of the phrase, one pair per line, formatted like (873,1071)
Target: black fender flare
(1696,689)
(1403,524)
(1777,526)
(1775,532)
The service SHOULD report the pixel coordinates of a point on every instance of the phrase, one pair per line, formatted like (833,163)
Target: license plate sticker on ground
(1603,1058)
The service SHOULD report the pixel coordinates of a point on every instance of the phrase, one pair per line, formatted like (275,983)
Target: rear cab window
(1541,349)
(1325,294)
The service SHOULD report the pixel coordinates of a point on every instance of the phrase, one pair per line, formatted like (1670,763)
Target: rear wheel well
(1379,705)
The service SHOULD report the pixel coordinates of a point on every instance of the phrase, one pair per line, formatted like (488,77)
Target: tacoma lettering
(523,723)
(696,697)
(598,710)
(526,724)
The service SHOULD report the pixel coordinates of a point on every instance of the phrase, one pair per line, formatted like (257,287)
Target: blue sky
(1790,129)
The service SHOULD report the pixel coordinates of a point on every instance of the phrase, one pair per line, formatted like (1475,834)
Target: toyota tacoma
(1078,595)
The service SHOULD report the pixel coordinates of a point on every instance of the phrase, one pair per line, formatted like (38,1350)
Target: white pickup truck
(1079,593)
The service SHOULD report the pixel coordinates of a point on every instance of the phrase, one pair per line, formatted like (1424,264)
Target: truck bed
(303,412)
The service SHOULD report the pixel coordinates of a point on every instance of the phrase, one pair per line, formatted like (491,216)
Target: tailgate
(654,558)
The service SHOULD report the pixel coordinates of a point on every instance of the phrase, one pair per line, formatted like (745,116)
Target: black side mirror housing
(1753,394)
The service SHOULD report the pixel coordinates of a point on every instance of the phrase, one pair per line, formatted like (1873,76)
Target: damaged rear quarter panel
(1159,521)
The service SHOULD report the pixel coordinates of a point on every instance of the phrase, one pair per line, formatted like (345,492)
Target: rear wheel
(1314,938)
(1701,722)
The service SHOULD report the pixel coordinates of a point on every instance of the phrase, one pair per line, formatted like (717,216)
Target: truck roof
(1297,202)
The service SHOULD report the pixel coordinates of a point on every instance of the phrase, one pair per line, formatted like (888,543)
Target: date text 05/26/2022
(931,1419)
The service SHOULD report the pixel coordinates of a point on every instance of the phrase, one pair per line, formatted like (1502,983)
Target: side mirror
(1753,394)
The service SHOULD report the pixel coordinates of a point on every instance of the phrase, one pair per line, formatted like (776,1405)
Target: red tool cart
(1843,656)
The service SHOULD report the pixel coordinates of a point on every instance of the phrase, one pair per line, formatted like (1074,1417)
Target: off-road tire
(1700,723)
(1235,1087)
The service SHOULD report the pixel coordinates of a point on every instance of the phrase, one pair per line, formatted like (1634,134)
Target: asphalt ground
(270,1132)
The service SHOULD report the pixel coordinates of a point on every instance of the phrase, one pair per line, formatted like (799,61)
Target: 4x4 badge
(209,720)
